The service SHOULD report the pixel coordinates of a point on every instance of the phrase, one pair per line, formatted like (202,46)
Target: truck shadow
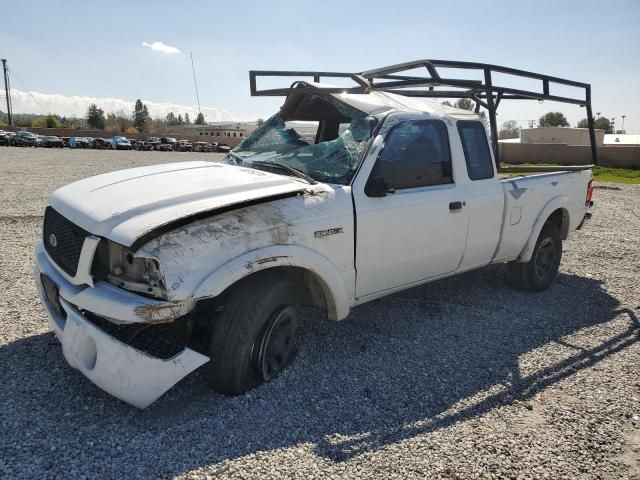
(401,366)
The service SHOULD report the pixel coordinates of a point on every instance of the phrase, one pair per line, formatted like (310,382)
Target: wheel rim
(276,346)
(545,258)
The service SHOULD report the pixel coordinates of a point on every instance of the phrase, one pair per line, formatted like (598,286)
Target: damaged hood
(128,204)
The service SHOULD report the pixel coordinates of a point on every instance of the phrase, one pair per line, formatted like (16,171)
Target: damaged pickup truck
(150,273)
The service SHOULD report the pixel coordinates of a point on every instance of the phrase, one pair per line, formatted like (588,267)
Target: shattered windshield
(329,155)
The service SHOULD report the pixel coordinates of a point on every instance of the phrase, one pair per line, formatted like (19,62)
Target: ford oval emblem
(53,241)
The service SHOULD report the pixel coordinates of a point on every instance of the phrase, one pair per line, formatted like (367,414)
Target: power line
(195,83)
(26,90)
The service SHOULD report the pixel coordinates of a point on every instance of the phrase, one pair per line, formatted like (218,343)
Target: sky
(65,55)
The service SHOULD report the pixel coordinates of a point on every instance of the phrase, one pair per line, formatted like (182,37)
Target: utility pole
(7,90)
(623,117)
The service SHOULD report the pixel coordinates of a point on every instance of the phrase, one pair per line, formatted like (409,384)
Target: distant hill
(18,116)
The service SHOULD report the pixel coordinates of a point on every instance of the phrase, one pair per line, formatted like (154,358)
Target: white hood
(127,204)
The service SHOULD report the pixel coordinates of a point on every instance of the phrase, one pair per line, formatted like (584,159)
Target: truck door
(485,199)
(411,217)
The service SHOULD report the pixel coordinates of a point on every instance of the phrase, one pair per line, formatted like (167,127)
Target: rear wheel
(255,337)
(539,273)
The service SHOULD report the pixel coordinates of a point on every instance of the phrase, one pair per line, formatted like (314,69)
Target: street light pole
(623,117)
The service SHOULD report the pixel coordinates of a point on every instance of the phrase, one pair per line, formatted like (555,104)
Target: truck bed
(529,198)
(519,170)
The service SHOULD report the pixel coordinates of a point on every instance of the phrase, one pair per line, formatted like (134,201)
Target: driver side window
(416,153)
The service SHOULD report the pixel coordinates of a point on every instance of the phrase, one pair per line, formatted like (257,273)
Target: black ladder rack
(485,94)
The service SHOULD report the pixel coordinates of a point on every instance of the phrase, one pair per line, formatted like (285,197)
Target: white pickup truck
(149,273)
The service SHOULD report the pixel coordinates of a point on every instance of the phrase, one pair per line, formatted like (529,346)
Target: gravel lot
(464,378)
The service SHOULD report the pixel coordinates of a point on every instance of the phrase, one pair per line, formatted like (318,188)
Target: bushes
(46,121)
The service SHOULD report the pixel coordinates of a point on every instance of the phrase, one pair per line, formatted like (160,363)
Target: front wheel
(255,337)
(539,273)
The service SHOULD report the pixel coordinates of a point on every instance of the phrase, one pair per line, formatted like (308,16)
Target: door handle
(455,206)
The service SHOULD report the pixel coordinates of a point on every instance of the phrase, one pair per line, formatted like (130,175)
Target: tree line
(511,129)
(139,119)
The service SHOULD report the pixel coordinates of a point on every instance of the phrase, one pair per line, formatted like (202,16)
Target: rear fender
(558,202)
(329,277)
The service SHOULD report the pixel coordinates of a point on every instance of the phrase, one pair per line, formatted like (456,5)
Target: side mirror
(377,187)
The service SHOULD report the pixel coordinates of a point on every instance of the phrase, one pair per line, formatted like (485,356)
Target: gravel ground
(464,378)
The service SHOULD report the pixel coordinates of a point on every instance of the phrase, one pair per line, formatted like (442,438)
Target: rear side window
(416,154)
(476,150)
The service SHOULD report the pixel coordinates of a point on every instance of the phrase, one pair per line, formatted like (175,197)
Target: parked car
(143,145)
(4,138)
(120,143)
(100,143)
(79,142)
(220,147)
(65,141)
(183,146)
(171,142)
(23,139)
(159,145)
(227,252)
(39,140)
(202,147)
(51,141)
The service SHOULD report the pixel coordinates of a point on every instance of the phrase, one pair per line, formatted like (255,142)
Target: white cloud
(161,47)
(72,105)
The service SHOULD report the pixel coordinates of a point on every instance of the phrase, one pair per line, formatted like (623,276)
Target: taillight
(588,201)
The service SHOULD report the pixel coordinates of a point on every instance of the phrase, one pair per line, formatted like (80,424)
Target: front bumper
(119,369)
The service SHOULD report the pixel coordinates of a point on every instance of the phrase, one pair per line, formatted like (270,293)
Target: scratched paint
(191,253)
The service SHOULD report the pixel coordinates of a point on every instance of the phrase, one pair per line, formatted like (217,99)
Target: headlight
(137,274)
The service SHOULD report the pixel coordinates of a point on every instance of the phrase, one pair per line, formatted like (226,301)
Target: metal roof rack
(485,93)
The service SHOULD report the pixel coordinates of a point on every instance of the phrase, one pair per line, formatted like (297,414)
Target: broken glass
(332,161)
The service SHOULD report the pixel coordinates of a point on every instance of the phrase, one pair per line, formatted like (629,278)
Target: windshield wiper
(287,168)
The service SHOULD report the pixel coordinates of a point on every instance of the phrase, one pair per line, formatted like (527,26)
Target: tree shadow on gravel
(401,366)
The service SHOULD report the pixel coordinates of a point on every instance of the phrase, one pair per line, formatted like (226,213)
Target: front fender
(558,202)
(330,278)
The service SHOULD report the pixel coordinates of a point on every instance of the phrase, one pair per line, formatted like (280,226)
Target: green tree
(200,119)
(179,120)
(95,117)
(22,122)
(553,119)
(46,121)
(171,119)
(141,118)
(260,122)
(465,104)
(509,129)
(600,123)
(187,120)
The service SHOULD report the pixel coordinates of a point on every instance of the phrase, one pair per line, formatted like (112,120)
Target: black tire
(255,336)
(539,273)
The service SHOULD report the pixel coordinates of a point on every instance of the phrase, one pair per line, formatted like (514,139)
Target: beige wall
(570,136)
(619,156)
